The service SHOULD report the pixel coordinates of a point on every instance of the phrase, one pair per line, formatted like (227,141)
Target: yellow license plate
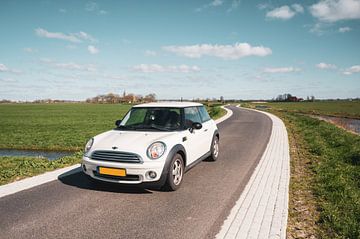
(113,171)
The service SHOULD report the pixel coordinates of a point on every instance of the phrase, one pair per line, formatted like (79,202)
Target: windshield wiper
(152,127)
(125,127)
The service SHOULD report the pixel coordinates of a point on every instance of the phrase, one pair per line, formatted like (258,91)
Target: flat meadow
(65,127)
(340,108)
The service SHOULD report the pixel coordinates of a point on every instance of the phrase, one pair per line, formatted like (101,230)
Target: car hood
(128,141)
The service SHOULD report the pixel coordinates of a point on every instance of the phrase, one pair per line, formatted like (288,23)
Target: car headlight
(89,144)
(156,150)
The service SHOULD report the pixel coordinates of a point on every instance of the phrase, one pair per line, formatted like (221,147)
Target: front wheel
(214,149)
(175,173)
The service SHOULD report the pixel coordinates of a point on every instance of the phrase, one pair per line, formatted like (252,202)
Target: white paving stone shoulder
(262,209)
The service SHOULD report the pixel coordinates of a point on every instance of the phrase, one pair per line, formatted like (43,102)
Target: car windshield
(151,118)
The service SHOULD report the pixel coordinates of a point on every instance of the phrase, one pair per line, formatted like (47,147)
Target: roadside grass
(215,111)
(341,108)
(325,175)
(16,168)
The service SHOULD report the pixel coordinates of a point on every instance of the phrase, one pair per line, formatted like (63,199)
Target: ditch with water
(50,155)
(352,125)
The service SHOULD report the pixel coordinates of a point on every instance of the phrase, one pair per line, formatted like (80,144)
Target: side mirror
(195,125)
(117,123)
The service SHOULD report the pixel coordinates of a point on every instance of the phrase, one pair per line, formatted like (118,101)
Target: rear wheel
(214,149)
(175,173)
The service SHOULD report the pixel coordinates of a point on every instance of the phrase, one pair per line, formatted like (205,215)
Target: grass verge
(16,168)
(325,179)
(215,111)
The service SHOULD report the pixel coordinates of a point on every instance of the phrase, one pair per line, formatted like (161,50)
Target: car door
(208,127)
(194,143)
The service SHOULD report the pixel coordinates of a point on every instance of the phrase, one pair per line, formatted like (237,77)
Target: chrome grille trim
(115,156)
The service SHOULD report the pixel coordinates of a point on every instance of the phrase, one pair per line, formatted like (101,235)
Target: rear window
(204,114)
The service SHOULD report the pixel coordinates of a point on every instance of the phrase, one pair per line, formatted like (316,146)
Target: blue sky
(232,48)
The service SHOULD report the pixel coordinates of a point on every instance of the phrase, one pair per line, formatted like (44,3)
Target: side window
(204,114)
(191,116)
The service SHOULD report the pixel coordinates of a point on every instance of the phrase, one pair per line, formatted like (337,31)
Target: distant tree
(150,97)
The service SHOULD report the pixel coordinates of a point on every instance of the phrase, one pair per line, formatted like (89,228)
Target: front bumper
(135,172)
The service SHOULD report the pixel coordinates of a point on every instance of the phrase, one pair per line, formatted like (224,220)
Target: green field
(325,170)
(331,108)
(55,126)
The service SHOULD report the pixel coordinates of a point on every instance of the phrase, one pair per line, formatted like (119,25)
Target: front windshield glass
(151,118)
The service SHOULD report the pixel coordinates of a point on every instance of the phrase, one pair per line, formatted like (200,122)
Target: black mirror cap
(196,125)
(117,123)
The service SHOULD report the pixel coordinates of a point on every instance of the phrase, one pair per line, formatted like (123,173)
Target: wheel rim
(177,171)
(216,148)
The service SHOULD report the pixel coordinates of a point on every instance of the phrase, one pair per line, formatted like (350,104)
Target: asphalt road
(72,207)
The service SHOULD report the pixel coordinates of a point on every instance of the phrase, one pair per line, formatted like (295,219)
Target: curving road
(73,208)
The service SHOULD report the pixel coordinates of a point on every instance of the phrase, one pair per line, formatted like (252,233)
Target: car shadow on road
(77,178)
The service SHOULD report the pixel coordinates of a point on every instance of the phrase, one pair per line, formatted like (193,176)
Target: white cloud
(56,35)
(5,69)
(336,10)
(92,49)
(216,3)
(91,6)
(74,66)
(298,8)
(231,52)
(324,66)
(94,7)
(85,36)
(72,37)
(150,53)
(344,29)
(234,4)
(281,70)
(351,70)
(8,80)
(285,12)
(69,65)
(155,68)
(30,50)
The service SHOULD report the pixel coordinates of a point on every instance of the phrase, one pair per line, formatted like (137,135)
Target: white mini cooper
(153,143)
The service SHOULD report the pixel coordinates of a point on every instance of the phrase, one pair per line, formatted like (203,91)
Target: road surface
(72,207)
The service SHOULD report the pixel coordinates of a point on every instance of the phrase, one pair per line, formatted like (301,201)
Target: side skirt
(190,166)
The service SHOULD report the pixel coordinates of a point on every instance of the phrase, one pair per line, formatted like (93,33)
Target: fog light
(151,175)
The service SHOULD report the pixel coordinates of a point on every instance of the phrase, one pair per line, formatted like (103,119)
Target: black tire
(214,149)
(173,182)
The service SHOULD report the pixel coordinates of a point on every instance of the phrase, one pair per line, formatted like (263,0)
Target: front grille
(115,156)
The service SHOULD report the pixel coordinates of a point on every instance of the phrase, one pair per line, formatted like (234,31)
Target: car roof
(176,104)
